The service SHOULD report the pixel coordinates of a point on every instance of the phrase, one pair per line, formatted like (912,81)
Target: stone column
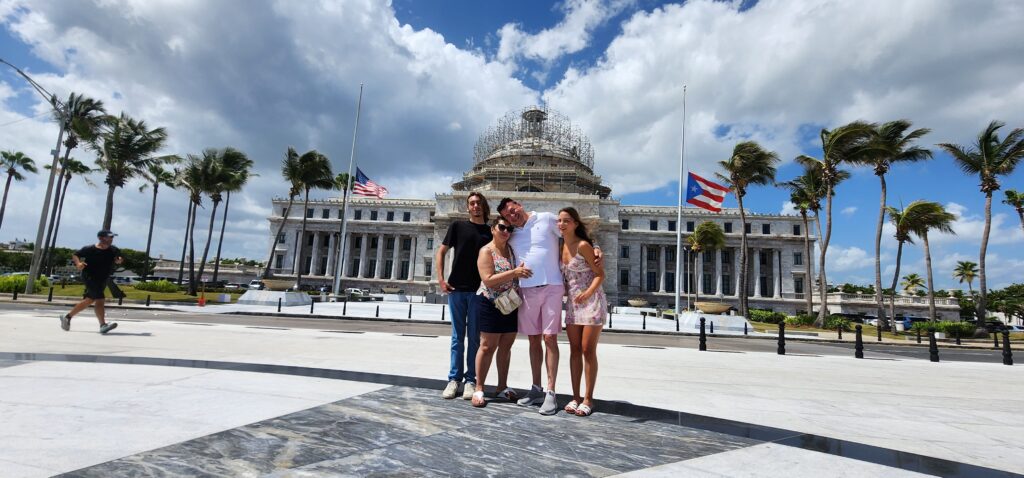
(330,255)
(698,273)
(345,255)
(661,268)
(314,254)
(412,256)
(643,268)
(776,275)
(736,286)
(380,257)
(757,272)
(394,257)
(363,247)
(718,273)
(298,252)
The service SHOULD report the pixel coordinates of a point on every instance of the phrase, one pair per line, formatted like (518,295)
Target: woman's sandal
(583,411)
(571,407)
(509,394)
(478,399)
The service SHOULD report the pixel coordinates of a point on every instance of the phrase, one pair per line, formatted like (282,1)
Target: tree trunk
(53,212)
(152,218)
(220,241)
(696,291)
(108,214)
(273,241)
(3,205)
(981,331)
(823,310)
(209,240)
(895,282)
(931,287)
(60,213)
(808,273)
(1020,212)
(51,234)
(192,252)
(301,246)
(184,242)
(880,311)
(742,276)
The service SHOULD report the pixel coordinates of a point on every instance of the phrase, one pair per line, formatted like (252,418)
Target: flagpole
(339,262)
(679,209)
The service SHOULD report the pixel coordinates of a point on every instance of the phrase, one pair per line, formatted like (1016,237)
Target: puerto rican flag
(365,187)
(705,194)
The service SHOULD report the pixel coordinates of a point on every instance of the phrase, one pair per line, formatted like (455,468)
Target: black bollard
(677,321)
(995,339)
(744,327)
(442,312)
(918,330)
(782,338)
(644,314)
(15,294)
(1007,353)
(712,327)
(120,300)
(858,342)
(703,337)
(839,329)
(49,297)
(610,314)
(957,332)
(410,311)
(311,304)
(378,312)
(344,307)
(148,297)
(933,347)
(878,332)
(278,305)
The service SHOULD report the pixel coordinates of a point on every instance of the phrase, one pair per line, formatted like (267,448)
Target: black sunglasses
(508,229)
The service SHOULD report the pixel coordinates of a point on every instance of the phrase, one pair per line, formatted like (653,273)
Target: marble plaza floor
(159,398)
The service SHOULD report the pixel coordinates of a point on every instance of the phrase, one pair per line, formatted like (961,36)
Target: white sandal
(508,394)
(479,394)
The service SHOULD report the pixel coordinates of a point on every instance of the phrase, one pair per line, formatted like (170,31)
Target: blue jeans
(462,308)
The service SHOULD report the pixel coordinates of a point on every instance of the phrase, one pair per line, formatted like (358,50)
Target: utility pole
(60,110)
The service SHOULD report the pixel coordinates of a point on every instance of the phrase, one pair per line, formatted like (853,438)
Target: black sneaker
(107,327)
(65,322)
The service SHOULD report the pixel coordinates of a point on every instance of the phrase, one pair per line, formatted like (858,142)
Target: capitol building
(536,157)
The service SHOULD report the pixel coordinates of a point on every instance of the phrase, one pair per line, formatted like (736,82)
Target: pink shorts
(541,311)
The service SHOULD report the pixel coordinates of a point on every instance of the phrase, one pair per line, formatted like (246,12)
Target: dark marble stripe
(638,413)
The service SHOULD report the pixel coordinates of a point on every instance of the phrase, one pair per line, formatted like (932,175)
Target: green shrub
(157,286)
(766,316)
(802,319)
(834,322)
(11,283)
(922,326)
(965,329)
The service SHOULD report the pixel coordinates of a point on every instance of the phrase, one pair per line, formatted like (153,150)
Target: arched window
(529,189)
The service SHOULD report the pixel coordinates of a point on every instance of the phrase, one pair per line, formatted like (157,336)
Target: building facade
(537,158)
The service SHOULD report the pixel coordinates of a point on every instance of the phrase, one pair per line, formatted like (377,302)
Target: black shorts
(489,319)
(94,288)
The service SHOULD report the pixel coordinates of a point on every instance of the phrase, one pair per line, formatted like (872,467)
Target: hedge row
(11,283)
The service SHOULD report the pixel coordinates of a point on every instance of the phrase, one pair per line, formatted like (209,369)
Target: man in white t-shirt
(535,242)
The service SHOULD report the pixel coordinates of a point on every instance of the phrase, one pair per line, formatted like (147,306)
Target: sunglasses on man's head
(504,228)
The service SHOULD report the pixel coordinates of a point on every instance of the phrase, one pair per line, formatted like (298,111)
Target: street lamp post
(59,109)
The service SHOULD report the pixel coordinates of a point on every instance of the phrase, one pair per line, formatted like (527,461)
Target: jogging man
(96,263)
(466,237)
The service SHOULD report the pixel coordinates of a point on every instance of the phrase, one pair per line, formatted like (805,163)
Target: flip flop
(508,394)
(571,407)
(583,411)
(479,394)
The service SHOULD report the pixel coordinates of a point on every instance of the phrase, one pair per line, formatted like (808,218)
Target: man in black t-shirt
(466,237)
(96,262)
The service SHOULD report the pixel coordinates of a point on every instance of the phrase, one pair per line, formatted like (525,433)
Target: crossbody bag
(508,301)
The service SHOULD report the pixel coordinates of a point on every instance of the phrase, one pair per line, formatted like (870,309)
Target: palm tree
(988,159)
(345,183)
(846,143)
(912,283)
(896,146)
(315,173)
(214,180)
(931,216)
(191,178)
(291,172)
(156,176)
(13,162)
(750,164)
(707,237)
(239,169)
(902,220)
(72,167)
(126,152)
(804,193)
(184,178)
(966,271)
(1016,199)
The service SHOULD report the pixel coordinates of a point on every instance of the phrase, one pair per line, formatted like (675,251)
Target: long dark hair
(483,204)
(581,230)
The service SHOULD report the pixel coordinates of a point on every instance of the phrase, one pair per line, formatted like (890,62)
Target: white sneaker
(468,390)
(451,390)
(534,397)
(550,406)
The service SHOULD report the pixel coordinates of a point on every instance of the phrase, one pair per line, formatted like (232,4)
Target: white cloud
(845,259)
(968,228)
(788,208)
(848,211)
(571,35)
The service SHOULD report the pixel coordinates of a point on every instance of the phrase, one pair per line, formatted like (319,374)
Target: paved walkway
(158,398)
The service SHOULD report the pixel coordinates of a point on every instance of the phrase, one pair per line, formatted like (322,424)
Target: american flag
(365,187)
(705,194)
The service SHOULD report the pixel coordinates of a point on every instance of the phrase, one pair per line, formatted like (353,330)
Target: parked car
(990,325)
(908,322)
(1015,329)
(256,284)
(232,286)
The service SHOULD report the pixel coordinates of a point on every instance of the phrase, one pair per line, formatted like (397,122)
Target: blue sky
(261,76)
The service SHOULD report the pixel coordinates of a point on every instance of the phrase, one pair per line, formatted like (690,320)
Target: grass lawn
(76,290)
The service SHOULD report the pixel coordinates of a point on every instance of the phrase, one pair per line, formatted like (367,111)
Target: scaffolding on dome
(535,122)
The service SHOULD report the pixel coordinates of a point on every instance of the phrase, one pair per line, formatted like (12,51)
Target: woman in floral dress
(586,309)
